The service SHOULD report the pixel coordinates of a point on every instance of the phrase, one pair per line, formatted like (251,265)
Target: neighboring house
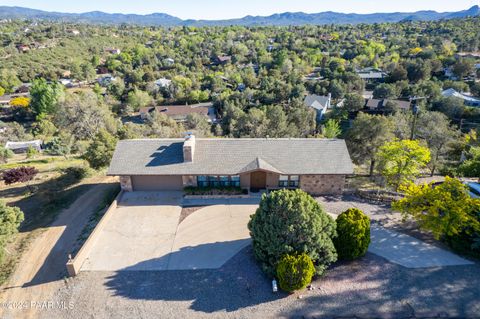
(169,61)
(318,166)
(163,83)
(105,80)
(371,75)
(319,103)
(179,112)
(448,73)
(22,147)
(113,50)
(66,82)
(221,59)
(467,99)
(380,105)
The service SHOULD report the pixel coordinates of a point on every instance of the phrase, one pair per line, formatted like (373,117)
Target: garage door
(157,183)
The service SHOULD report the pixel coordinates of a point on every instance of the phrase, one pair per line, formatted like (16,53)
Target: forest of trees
(256,79)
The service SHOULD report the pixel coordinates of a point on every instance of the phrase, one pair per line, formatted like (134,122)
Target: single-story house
(179,112)
(319,103)
(372,74)
(163,83)
(468,100)
(22,147)
(221,59)
(380,105)
(318,166)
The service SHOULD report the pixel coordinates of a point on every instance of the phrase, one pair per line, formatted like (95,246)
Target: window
(213,181)
(283,181)
(224,181)
(293,181)
(235,180)
(202,181)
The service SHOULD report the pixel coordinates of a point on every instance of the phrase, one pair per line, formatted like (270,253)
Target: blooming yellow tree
(20,101)
(445,210)
(401,161)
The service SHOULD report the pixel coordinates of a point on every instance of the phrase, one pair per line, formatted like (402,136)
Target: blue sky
(225,9)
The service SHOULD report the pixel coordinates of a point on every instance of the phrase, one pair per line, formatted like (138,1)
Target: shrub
(5,154)
(77,172)
(10,220)
(221,190)
(291,221)
(19,175)
(353,229)
(295,272)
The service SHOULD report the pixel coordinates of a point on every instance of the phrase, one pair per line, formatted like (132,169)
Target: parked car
(474,189)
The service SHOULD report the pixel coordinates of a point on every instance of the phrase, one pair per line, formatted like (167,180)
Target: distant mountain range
(279,19)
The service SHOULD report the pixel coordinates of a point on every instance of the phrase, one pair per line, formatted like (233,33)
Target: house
(371,75)
(179,112)
(221,59)
(168,61)
(317,166)
(105,80)
(163,83)
(319,103)
(381,105)
(467,99)
(22,147)
(23,48)
(113,50)
(66,82)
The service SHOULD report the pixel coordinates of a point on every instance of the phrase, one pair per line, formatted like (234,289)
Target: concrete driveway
(144,234)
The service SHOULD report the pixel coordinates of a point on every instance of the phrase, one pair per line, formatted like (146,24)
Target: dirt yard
(41,269)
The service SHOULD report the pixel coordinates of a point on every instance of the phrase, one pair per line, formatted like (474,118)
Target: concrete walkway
(410,252)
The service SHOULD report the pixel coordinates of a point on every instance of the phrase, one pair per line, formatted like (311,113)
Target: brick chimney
(189,148)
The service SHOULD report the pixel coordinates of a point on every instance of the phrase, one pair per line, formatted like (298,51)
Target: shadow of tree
(237,284)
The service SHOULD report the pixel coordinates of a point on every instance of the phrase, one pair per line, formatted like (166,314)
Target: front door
(258,180)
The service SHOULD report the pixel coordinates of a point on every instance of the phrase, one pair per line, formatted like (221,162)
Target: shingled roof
(223,156)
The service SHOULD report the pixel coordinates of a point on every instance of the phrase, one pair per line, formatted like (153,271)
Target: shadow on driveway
(238,284)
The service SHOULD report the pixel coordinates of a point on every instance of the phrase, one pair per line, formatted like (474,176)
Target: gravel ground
(367,288)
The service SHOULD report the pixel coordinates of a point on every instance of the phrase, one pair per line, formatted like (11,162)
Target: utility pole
(415,111)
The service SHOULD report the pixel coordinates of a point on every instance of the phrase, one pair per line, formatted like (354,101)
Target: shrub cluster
(10,220)
(221,190)
(295,272)
(353,229)
(289,222)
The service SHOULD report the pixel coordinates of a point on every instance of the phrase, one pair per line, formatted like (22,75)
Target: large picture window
(235,180)
(283,181)
(224,181)
(294,179)
(213,181)
(202,181)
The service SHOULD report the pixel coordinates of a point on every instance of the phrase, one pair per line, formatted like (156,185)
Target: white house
(319,103)
(163,83)
(467,99)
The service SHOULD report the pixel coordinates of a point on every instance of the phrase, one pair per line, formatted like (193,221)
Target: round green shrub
(353,228)
(295,272)
(288,222)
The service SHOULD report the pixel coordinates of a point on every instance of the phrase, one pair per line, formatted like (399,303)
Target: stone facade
(126,183)
(322,184)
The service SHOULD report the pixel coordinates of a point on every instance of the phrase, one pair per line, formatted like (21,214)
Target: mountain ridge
(276,19)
